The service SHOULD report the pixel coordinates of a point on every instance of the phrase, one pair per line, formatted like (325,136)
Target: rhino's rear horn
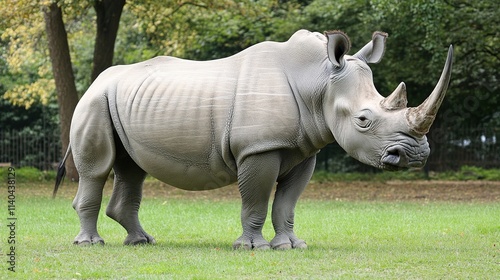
(421,118)
(396,100)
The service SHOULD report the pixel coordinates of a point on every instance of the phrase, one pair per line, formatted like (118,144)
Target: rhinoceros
(257,118)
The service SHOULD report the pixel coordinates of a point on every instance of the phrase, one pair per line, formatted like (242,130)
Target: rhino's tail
(61,171)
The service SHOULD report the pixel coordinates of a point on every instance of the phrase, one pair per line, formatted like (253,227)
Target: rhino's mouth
(398,157)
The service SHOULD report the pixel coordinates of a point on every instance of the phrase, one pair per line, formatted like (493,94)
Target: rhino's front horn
(421,118)
(396,100)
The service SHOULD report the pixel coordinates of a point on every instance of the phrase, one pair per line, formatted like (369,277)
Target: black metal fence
(29,148)
(450,149)
(474,146)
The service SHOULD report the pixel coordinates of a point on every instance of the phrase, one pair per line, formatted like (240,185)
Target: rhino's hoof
(286,246)
(242,246)
(248,247)
(262,247)
(88,243)
(286,242)
(300,245)
(139,237)
(244,243)
(139,240)
(87,239)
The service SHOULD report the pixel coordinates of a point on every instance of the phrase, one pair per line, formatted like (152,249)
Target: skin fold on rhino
(257,118)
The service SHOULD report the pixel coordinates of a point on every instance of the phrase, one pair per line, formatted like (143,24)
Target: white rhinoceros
(257,118)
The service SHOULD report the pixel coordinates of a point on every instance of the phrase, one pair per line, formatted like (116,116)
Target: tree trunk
(108,18)
(67,96)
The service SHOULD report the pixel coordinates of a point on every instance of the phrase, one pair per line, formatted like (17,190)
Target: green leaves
(419,34)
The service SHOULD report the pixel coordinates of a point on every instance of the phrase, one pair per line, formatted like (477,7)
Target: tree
(24,54)
(420,31)
(63,75)
(108,19)
(108,13)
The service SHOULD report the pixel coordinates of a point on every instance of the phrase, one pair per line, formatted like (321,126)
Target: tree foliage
(25,56)
(420,32)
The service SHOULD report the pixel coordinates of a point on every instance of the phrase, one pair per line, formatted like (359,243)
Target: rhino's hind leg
(256,178)
(94,153)
(87,204)
(125,201)
(287,193)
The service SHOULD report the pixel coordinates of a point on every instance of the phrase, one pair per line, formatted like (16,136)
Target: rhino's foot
(287,241)
(85,239)
(246,243)
(139,239)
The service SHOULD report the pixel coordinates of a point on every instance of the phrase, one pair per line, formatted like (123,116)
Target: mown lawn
(347,239)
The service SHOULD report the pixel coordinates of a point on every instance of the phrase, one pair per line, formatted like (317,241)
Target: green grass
(30,174)
(360,240)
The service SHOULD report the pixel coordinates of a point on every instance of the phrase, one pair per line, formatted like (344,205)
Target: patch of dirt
(456,191)
(453,191)
(466,191)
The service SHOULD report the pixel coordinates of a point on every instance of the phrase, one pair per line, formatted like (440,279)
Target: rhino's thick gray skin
(258,117)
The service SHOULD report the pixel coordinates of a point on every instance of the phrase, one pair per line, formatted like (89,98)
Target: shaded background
(465,131)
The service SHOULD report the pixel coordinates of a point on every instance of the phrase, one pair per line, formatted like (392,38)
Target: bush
(29,174)
(324,176)
(464,174)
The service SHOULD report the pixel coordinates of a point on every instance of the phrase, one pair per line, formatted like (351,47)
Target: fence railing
(475,146)
(28,148)
(450,149)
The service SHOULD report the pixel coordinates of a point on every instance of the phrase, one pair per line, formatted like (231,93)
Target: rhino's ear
(374,50)
(338,45)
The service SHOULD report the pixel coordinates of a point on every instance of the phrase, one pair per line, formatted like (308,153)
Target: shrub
(29,174)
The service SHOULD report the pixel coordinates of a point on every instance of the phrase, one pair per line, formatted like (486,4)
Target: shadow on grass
(204,246)
(225,246)
(166,245)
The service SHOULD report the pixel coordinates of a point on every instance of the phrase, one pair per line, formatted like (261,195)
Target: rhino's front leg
(256,178)
(288,191)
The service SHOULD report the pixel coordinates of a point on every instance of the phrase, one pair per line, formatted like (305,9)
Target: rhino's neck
(314,127)
(308,75)
(309,88)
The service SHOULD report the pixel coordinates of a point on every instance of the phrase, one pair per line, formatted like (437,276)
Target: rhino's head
(379,131)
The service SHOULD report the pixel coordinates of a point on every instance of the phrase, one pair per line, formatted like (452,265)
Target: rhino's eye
(363,121)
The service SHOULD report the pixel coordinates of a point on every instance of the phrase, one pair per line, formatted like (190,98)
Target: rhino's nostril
(393,152)
(395,156)
(392,157)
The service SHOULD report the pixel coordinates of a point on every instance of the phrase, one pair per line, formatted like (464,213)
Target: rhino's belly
(184,148)
(175,127)
(185,173)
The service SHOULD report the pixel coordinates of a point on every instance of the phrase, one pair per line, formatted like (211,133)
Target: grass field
(360,239)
